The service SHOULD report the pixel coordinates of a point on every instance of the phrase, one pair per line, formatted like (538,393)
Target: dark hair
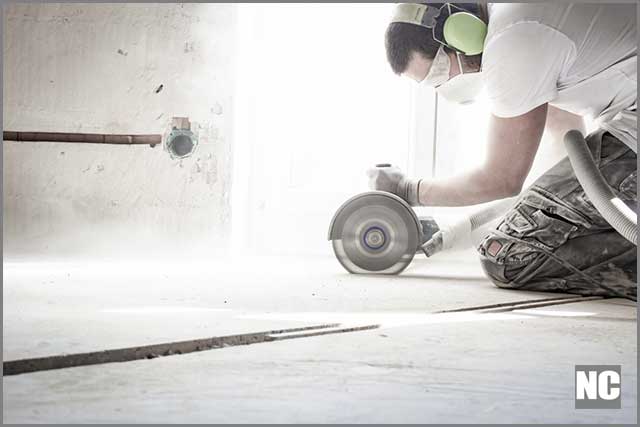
(402,39)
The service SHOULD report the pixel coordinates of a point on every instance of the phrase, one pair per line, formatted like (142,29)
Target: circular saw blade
(375,232)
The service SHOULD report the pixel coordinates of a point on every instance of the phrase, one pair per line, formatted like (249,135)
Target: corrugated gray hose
(614,210)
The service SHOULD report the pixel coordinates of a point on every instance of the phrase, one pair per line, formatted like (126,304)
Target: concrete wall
(97,68)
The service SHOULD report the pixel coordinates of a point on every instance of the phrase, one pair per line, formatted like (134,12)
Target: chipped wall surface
(116,68)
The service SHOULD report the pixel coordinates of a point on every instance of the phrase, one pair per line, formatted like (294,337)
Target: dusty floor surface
(509,364)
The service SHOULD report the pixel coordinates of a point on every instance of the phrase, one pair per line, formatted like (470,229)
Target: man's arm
(512,146)
(551,149)
(560,122)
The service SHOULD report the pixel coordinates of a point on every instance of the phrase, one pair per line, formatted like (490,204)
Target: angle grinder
(378,232)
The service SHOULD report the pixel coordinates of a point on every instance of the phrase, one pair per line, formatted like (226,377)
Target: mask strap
(460,63)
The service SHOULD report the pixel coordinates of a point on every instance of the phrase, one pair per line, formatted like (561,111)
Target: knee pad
(493,251)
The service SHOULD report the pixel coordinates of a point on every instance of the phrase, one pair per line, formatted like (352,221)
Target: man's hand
(385,177)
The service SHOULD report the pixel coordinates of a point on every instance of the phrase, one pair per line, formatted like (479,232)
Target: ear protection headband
(462,30)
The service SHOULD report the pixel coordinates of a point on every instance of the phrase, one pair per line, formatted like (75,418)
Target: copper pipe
(90,138)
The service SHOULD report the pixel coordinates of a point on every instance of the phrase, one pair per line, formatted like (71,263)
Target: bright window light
(317,104)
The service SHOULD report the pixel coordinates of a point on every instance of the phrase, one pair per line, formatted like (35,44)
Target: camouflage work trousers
(554,240)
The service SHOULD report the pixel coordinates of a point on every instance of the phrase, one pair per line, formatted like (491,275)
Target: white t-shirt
(581,58)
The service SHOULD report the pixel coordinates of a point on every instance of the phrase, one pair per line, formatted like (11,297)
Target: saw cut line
(513,305)
(286,336)
(128,354)
(23,366)
(536,304)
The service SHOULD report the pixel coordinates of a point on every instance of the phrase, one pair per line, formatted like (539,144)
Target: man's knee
(494,271)
(515,254)
(498,262)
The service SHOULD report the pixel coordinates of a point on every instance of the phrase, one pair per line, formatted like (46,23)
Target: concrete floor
(509,366)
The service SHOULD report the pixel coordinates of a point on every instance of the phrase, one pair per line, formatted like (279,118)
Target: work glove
(385,177)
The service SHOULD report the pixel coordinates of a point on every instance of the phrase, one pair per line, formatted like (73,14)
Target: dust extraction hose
(459,235)
(618,214)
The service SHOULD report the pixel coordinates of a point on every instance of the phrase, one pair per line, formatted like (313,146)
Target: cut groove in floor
(512,305)
(22,366)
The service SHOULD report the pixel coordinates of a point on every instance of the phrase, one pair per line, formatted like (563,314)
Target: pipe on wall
(90,138)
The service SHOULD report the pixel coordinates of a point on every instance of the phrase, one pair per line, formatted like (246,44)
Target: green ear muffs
(463,31)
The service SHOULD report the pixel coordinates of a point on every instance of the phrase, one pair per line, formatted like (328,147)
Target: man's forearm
(511,147)
(471,188)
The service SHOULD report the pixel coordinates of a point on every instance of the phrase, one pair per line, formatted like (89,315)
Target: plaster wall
(116,68)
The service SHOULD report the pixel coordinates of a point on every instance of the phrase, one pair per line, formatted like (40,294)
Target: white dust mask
(463,88)
(439,71)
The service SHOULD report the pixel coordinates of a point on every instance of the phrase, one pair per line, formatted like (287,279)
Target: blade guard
(337,222)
